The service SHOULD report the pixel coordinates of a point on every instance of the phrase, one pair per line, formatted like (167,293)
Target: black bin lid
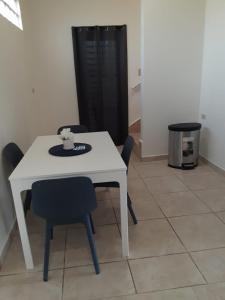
(185,127)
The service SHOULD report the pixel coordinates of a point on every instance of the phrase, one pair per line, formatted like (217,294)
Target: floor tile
(14,261)
(132,173)
(114,192)
(181,203)
(164,272)
(203,181)
(211,263)
(210,292)
(144,207)
(202,168)
(164,184)
(199,232)
(153,169)
(103,194)
(116,206)
(108,246)
(83,284)
(215,199)
(153,238)
(176,294)
(137,188)
(37,225)
(104,213)
(31,286)
(34,223)
(160,267)
(221,215)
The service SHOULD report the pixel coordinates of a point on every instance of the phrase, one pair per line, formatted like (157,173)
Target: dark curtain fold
(100,56)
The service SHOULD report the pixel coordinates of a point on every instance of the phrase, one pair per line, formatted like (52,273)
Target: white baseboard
(154,157)
(216,167)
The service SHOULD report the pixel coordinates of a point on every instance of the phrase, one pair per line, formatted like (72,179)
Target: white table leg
(22,227)
(124,215)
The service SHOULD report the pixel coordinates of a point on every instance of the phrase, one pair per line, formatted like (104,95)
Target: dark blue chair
(64,201)
(77,129)
(126,153)
(13,155)
(74,128)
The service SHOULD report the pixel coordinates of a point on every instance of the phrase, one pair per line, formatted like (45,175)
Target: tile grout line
(153,197)
(131,274)
(63,279)
(151,292)
(64,262)
(193,261)
(167,218)
(145,184)
(223,221)
(211,210)
(187,251)
(203,202)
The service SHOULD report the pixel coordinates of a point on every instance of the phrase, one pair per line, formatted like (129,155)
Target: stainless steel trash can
(184,145)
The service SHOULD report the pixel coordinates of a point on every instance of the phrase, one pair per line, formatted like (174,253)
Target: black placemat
(79,148)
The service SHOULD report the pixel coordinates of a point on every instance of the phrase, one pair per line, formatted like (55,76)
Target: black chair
(64,201)
(126,153)
(74,128)
(13,155)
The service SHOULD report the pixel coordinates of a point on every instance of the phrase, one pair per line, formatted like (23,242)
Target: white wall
(213,86)
(14,112)
(52,53)
(172,41)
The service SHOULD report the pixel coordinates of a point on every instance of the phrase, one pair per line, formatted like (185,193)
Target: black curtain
(100,57)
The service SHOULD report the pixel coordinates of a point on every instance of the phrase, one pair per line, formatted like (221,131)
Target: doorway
(100,57)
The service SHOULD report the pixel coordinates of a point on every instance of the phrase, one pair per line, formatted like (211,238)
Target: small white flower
(66,134)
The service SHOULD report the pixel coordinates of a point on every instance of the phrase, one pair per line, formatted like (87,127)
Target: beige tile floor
(177,250)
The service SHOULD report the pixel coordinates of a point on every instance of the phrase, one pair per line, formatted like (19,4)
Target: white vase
(68,144)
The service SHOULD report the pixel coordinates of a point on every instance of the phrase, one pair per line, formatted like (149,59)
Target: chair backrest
(127,149)
(13,154)
(63,200)
(74,128)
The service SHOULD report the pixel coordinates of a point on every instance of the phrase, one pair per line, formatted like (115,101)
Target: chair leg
(47,248)
(92,224)
(92,244)
(129,204)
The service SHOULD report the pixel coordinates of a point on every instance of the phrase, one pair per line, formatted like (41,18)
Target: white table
(102,164)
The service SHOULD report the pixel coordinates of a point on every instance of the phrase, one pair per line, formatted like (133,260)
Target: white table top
(37,162)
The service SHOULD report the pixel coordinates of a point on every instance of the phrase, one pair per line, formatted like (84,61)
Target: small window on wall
(10,9)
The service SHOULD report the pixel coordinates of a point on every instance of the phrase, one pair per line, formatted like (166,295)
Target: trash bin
(184,145)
